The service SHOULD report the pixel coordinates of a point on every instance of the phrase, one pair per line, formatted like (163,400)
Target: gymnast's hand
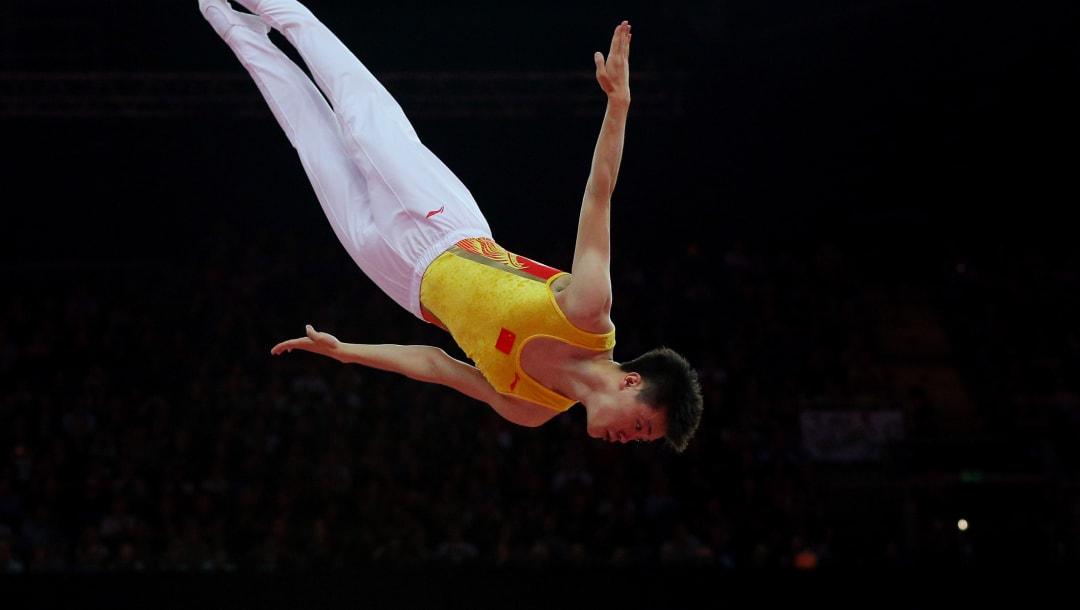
(614,74)
(315,342)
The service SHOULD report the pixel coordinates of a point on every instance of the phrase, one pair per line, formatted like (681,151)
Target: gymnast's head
(659,397)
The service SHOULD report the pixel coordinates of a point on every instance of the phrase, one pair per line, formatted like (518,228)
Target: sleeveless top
(493,302)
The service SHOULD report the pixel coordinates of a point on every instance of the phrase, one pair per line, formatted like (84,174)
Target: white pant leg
(414,207)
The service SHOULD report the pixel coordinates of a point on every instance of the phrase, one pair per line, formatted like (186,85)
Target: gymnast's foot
(222,17)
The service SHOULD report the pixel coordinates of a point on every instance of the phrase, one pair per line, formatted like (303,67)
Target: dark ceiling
(788,115)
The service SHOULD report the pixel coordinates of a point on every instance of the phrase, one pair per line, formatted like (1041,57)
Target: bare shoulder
(522,412)
(582,308)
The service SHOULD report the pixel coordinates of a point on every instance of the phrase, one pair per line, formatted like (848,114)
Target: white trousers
(392,203)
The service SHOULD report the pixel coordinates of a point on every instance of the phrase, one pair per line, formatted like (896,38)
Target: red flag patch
(506,341)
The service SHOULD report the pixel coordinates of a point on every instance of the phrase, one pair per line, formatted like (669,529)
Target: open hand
(315,341)
(614,74)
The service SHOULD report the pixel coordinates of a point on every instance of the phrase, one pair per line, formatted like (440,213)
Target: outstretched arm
(422,363)
(588,300)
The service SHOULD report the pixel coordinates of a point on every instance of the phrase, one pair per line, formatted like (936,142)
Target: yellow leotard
(493,302)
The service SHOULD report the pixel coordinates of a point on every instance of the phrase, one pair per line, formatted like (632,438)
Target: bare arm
(588,300)
(423,363)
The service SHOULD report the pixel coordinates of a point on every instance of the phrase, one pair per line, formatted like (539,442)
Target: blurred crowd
(144,425)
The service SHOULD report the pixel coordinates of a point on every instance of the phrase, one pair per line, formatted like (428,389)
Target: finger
(620,42)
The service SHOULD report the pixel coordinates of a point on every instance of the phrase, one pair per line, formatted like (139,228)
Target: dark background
(790,117)
(159,233)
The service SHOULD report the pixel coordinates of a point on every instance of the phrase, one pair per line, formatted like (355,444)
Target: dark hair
(671,384)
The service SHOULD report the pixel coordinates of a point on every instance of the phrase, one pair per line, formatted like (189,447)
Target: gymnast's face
(623,418)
